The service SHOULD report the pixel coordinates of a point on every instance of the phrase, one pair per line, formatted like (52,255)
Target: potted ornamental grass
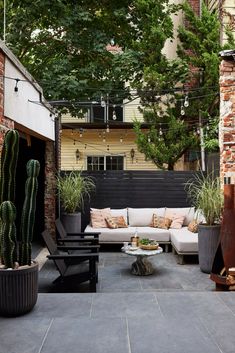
(73,189)
(206,195)
(18,273)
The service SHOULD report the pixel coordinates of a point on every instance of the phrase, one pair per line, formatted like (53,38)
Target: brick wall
(227,119)
(5,123)
(195,4)
(50,191)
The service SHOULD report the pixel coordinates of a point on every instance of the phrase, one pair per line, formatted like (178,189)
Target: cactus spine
(28,212)
(8,233)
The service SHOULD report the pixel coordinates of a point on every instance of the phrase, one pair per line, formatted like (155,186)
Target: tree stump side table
(142,267)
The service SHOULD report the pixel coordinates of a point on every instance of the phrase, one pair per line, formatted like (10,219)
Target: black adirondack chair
(91,237)
(83,266)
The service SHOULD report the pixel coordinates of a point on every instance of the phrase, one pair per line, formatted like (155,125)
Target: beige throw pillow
(116,222)
(177,219)
(161,222)
(98,217)
(193,226)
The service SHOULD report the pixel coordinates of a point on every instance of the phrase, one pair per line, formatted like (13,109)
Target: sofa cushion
(188,212)
(120,235)
(98,217)
(108,235)
(161,222)
(119,212)
(161,235)
(116,222)
(184,241)
(141,217)
(177,218)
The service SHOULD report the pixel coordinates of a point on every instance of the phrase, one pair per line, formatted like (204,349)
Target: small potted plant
(207,197)
(18,274)
(72,189)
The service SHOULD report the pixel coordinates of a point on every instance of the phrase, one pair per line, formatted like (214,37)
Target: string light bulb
(160,131)
(104,139)
(107,128)
(121,139)
(182,112)
(102,102)
(114,114)
(16,85)
(149,139)
(186,101)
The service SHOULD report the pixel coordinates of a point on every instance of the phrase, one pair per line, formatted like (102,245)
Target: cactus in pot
(9,254)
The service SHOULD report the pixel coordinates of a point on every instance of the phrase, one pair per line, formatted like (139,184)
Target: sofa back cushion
(142,217)
(119,212)
(187,212)
(98,217)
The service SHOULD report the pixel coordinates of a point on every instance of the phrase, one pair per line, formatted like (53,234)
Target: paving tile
(124,305)
(154,335)
(62,305)
(116,284)
(22,335)
(87,336)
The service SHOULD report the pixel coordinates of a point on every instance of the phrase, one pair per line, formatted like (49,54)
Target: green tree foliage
(63,44)
(199,48)
(169,136)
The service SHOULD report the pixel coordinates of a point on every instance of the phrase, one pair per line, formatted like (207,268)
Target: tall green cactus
(8,243)
(9,159)
(8,233)
(28,212)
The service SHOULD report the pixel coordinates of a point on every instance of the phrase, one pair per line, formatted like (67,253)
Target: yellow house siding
(90,144)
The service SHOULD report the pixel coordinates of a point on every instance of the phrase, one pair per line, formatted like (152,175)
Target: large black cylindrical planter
(208,237)
(71,222)
(18,290)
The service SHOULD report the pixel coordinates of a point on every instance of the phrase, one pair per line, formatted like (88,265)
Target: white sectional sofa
(183,241)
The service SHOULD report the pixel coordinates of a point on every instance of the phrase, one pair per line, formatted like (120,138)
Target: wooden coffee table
(142,267)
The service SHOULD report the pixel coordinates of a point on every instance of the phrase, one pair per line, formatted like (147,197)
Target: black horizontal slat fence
(120,189)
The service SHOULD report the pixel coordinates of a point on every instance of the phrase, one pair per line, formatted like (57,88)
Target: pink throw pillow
(177,219)
(98,217)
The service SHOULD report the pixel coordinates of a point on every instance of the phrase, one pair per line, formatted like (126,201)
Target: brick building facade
(49,155)
(227,117)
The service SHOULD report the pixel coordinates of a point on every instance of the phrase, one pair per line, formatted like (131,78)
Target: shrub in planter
(73,188)
(18,274)
(207,198)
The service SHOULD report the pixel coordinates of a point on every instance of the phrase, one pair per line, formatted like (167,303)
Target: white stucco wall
(17,107)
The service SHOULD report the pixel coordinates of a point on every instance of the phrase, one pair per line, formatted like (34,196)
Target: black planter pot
(208,237)
(18,290)
(71,222)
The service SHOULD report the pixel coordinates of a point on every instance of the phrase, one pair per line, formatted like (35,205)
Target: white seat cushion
(142,217)
(153,233)
(108,235)
(183,240)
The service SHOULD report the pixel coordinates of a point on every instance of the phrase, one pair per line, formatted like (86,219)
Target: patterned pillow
(98,217)
(116,222)
(193,226)
(161,222)
(177,219)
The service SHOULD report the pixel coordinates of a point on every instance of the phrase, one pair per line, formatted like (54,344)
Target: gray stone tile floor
(175,310)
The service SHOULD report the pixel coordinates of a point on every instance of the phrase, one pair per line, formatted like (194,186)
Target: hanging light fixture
(77,154)
(132,153)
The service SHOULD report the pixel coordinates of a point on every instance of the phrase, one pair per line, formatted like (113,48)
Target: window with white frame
(105,163)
